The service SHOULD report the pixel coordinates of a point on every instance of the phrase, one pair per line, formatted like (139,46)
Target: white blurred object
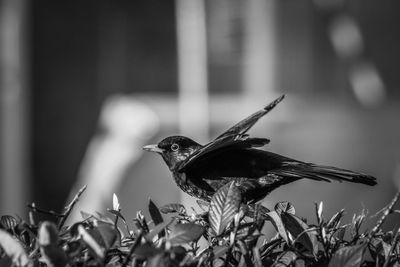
(192,68)
(367,84)
(128,125)
(128,119)
(347,40)
(346,36)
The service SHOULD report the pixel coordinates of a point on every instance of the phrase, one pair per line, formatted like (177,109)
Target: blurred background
(85,84)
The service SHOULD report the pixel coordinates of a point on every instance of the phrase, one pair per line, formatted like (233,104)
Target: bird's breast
(189,187)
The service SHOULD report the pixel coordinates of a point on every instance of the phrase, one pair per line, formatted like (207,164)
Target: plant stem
(47,212)
(70,206)
(387,211)
(132,249)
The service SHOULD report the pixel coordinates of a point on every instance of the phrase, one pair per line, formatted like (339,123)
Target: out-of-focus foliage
(227,233)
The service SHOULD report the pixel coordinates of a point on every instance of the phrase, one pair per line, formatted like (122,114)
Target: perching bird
(233,156)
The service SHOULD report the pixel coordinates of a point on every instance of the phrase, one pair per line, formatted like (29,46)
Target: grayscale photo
(199,133)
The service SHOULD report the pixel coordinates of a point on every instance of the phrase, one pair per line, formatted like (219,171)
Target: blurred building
(200,66)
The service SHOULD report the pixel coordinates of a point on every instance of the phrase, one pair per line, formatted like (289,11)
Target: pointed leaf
(224,205)
(91,243)
(141,222)
(335,220)
(155,213)
(284,206)
(348,256)
(319,208)
(184,233)
(47,234)
(173,208)
(118,214)
(276,221)
(116,205)
(300,231)
(14,249)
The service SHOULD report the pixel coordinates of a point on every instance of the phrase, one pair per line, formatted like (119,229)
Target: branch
(33,207)
(386,212)
(69,208)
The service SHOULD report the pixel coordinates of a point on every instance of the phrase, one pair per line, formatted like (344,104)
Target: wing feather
(234,137)
(244,125)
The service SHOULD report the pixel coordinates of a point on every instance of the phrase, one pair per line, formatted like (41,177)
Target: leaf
(14,249)
(155,213)
(141,222)
(268,247)
(110,236)
(177,254)
(284,206)
(91,243)
(287,258)
(245,230)
(48,242)
(276,221)
(104,218)
(335,220)
(173,208)
(340,233)
(8,222)
(220,251)
(48,234)
(156,261)
(118,214)
(301,232)
(157,229)
(182,233)
(356,223)
(224,205)
(54,256)
(384,249)
(146,250)
(319,208)
(116,205)
(259,211)
(351,256)
(86,215)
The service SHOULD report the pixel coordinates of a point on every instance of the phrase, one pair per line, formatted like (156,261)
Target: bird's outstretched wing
(244,125)
(220,145)
(234,137)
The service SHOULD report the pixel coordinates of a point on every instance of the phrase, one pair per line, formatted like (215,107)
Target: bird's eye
(174,147)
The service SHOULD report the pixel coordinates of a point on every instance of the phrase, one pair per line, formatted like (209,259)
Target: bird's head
(174,149)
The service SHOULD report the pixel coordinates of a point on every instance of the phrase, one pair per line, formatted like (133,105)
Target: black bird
(233,156)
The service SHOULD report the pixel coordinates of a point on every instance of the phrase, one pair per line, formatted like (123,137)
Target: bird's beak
(153,148)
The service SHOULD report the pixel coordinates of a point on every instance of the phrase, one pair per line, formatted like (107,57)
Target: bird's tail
(327,173)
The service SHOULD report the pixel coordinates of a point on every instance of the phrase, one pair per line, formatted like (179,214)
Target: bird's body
(233,156)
